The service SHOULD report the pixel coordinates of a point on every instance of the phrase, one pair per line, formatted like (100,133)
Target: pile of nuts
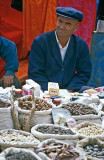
(79,109)
(94,150)
(4,105)
(91,130)
(40,104)
(54,130)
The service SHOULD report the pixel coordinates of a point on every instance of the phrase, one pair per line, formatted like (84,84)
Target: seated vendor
(60,56)
(8,52)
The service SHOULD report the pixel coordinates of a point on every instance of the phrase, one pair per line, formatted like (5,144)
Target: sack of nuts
(89,129)
(34,111)
(17,138)
(83,112)
(6,121)
(46,131)
(92,148)
(18,153)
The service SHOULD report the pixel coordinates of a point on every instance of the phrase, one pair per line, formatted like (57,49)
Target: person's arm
(36,69)
(8,52)
(83,69)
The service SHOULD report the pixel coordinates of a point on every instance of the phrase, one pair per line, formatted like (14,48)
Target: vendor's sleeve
(36,69)
(8,52)
(83,69)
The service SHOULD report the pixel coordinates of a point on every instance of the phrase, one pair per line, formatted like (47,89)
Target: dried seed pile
(13,136)
(91,130)
(54,130)
(95,151)
(79,109)
(40,104)
(20,156)
(4,105)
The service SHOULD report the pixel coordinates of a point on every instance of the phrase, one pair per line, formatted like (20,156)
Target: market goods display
(16,138)
(95,151)
(54,130)
(88,129)
(79,109)
(6,121)
(40,104)
(30,115)
(46,131)
(18,154)
(92,148)
(53,149)
(82,112)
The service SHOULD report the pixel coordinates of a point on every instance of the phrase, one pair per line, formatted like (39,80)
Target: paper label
(53,92)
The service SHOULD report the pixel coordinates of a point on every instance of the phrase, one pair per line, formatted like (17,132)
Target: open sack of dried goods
(19,154)
(89,129)
(8,112)
(52,149)
(33,110)
(82,112)
(17,138)
(45,131)
(6,121)
(92,148)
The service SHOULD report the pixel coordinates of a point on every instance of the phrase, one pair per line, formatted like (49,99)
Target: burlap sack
(87,124)
(87,117)
(38,117)
(71,139)
(6,121)
(48,141)
(17,138)
(87,141)
(13,150)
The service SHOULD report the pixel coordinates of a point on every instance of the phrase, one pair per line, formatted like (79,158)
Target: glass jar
(57,101)
(17,93)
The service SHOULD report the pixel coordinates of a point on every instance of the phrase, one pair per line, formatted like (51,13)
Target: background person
(8,52)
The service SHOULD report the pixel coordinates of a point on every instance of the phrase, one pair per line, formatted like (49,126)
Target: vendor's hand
(7,80)
(70,91)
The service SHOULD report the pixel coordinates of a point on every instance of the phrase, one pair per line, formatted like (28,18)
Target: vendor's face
(66,26)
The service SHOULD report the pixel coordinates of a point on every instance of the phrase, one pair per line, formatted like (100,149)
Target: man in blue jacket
(60,56)
(8,52)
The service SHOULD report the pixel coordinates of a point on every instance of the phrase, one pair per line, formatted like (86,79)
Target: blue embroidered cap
(69,12)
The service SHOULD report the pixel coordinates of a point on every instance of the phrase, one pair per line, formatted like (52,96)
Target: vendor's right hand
(7,80)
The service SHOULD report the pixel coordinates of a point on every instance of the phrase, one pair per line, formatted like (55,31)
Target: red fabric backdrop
(11,27)
(39,16)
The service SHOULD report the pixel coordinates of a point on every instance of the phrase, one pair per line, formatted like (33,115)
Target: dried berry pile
(79,109)
(59,151)
(95,151)
(40,104)
(4,105)
(20,156)
(54,130)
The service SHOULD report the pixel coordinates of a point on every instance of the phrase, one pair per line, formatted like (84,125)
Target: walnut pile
(40,104)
